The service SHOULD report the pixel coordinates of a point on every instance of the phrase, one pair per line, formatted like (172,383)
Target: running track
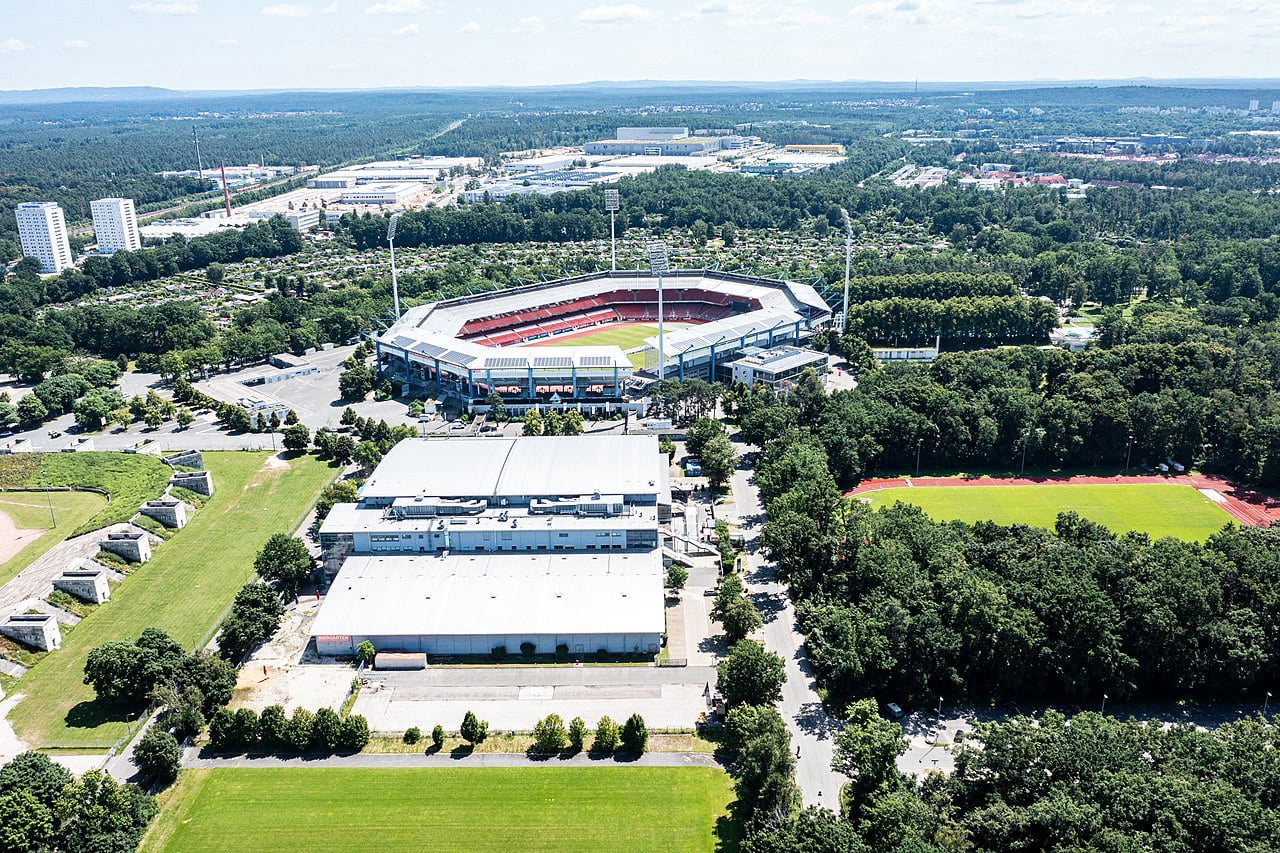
(1247,507)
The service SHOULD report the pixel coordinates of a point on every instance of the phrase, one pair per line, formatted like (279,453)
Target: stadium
(591,341)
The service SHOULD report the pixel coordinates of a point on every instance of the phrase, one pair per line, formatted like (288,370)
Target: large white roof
(583,592)
(522,466)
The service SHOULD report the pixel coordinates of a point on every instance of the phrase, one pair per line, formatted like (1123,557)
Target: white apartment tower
(116,225)
(43,233)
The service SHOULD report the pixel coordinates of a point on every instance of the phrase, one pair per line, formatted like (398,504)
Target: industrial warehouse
(458,546)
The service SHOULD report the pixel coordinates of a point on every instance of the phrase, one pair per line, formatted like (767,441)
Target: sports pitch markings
(623,335)
(503,809)
(1161,509)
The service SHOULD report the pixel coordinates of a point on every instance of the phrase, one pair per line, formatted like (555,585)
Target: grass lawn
(130,479)
(30,511)
(623,335)
(184,590)
(1159,510)
(481,808)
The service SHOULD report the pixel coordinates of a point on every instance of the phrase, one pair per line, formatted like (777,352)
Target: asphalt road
(811,727)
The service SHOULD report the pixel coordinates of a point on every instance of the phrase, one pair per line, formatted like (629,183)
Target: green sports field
(473,809)
(624,335)
(30,511)
(1159,510)
(184,590)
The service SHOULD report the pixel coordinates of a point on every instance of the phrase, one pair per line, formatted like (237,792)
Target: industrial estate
(820,467)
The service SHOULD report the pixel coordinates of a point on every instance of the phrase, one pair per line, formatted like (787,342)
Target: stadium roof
(470,593)
(523,466)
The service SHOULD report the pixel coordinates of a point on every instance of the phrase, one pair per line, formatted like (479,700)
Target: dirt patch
(275,463)
(14,538)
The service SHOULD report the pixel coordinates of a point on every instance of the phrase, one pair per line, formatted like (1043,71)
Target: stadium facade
(466,348)
(459,545)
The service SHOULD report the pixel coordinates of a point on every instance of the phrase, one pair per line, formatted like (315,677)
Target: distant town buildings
(115,223)
(43,233)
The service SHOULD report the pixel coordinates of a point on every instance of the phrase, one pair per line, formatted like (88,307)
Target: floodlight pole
(611,205)
(848,260)
(659,264)
(391,244)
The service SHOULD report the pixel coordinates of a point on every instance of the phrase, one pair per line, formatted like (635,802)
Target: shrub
(326,730)
(606,736)
(355,733)
(635,736)
(437,736)
(413,734)
(528,649)
(562,650)
(604,653)
(473,730)
(299,731)
(158,756)
(498,652)
(577,733)
(549,734)
(365,653)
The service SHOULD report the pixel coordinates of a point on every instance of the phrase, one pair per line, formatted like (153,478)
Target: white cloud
(226,42)
(396,7)
(75,44)
(406,30)
(331,9)
(287,10)
(13,46)
(529,25)
(346,66)
(627,13)
(470,27)
(167,7)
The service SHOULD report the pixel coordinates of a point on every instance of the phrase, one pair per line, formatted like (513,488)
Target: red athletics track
(1249,508)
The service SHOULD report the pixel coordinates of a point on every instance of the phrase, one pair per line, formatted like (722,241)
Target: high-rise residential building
(43,233)
(116,224)
(1253,105)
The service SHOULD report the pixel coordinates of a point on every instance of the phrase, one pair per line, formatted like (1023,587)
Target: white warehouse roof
(522,466)
(474,593)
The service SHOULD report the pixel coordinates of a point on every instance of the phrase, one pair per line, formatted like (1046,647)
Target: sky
(240,44)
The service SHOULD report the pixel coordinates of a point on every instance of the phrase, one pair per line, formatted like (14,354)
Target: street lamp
(1105,697)
(611,205)
(391,244)
(919,445)
(659,264)
(1265,702)
(49,498)
(1026,437)
(1128,454)
(848,259)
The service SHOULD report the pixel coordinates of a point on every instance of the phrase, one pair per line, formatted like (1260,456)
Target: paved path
(36,580)
(1248,507)
(810,725)
(193,757)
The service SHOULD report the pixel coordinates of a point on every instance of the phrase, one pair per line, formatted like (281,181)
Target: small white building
(384,193)
(778,367)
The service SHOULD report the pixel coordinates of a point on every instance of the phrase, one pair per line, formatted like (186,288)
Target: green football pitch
(477,808)
(624,335)
(1159,510)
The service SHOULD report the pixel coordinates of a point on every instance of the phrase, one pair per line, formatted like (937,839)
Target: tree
(497,407)
(355,382)
(635,736)
(284,560)
(367,455)
(718,460)
(244,727)
(222,729)
(296,438)
(437,736)
(36,774)
(763,763)
(31,410)
(255,615)
(183,417)
(867,751)
(342,447)
(119,671)
(677,575)
(299,731)
(215,273)
(607,737)
(25,823)
(273,727)
(94,409)
(365,653)
(532,423)
(702,432)
(412,735)
(549,734)
(740,618)
(97,813)
(572,423)
(577,733)
(326,730)
(355,733)
(813,830)
(473,730)
(750,675)
(158,756)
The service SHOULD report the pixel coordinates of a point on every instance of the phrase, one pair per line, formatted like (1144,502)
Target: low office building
(459,545)
(779,368)
(384,193)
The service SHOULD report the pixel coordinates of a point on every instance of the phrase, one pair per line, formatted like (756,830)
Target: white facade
(43,233)
(384,193)
(115,223)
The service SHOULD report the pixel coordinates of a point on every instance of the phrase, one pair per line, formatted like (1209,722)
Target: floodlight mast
(658,264)
(848,258)
(611,205)
(391,244)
